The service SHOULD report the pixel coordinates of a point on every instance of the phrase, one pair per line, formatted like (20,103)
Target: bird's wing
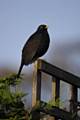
(30,48)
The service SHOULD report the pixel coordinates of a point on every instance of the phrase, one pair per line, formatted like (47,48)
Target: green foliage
(54,102)
(11,104)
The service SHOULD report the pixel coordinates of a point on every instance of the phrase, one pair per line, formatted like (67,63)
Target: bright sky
(20,18)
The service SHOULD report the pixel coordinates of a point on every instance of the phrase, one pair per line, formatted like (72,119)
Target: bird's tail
(21,66)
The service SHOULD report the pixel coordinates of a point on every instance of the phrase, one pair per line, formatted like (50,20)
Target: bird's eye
(41,27)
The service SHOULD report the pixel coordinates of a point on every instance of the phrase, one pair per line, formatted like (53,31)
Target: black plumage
(35,47)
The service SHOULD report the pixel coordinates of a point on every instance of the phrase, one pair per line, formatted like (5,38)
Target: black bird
(35,47)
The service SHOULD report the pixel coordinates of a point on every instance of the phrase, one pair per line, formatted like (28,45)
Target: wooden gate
(57,76)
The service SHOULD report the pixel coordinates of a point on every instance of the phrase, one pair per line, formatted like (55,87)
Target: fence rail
(57,76)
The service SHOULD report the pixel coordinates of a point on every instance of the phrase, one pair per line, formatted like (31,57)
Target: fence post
(36,91)
(55,91)
(36,85)
(57,75)
(73,102)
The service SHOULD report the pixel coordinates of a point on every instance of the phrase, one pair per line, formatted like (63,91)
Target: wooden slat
(36,90)
(55,91)
(55,88)
(38,94)
(59,73)
(73,101)
(36,86)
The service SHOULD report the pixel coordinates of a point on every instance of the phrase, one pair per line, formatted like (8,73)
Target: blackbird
(35,47)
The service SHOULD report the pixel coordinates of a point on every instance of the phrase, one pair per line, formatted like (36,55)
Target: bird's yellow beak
(46,27)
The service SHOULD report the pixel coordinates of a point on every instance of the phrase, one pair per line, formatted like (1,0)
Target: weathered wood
(55,91)
(36,87)
(73,101)
(36,90)
(59,73)
(55,88)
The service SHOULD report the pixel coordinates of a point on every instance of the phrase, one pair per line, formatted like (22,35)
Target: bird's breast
(43,46)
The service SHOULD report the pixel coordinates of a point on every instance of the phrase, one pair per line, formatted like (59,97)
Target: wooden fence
(57,76)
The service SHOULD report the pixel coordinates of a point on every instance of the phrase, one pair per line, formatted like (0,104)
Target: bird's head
(42,27)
